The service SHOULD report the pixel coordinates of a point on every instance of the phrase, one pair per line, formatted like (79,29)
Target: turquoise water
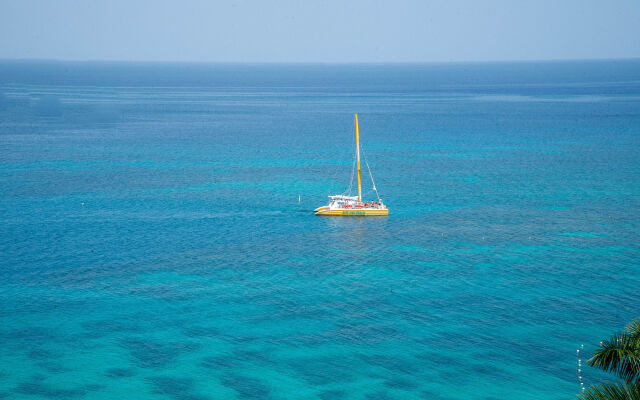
(192,272)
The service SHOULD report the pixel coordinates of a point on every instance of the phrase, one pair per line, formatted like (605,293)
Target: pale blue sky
(319,31)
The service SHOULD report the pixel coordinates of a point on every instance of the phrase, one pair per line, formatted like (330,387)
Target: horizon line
(328,63)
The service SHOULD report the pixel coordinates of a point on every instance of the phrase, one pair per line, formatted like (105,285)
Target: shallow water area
(153,245)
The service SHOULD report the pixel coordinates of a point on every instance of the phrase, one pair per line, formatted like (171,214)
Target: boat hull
(351,213)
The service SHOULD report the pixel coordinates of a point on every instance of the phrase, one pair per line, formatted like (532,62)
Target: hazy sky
(319,31)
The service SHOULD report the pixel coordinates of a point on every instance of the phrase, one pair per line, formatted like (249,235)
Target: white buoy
(298,199)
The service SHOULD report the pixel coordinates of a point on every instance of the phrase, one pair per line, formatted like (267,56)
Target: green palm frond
(620,354)
(612,391)
(633,328)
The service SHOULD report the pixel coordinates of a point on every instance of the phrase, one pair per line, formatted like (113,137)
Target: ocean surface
(152,245)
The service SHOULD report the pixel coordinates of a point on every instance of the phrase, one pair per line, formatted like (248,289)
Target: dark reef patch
(246,387)
(31,334)
(488,371)
(233,359)
(37,388)
(321,371)
(217,363)
(148,354)
(360,333)
(244,355)
(401,383)
(176,388)
(380,396)
(432,396)
(392,363)
(94,387)
(53,367)
(435,359)
(40,354)
(119,373)
(101,328)
(332,395)
(201,332)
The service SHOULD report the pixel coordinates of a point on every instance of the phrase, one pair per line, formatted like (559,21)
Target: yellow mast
(358,158)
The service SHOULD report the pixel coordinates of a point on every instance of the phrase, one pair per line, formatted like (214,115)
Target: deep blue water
(192,272)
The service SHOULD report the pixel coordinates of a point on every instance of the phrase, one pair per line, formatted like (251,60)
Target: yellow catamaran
(344,205)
